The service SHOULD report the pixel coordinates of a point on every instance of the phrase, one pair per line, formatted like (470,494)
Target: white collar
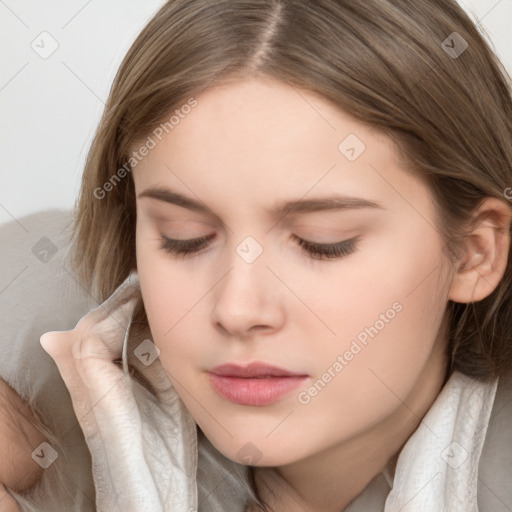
(437,469)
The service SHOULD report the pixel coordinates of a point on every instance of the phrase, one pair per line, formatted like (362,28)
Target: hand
(143,443)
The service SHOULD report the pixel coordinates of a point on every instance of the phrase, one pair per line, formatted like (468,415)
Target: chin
(256,452)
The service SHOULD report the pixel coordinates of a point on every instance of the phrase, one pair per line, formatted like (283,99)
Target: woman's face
(358,330)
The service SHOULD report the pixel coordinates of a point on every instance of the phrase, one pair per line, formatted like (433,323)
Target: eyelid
(331,251)
(315,250)
(182,247)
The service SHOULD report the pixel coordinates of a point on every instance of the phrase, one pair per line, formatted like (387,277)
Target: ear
(483,265)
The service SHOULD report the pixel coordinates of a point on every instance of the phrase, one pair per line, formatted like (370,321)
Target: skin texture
(243,148)
(7,503)
(18,438)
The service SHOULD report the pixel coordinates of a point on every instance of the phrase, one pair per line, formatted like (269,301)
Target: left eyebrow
(278,210)
(169,196)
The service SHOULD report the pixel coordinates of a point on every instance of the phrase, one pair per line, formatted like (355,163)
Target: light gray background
(50,107)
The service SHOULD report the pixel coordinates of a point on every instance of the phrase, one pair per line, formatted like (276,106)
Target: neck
(330,480)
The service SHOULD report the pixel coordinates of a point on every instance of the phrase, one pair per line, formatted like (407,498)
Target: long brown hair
(419,72)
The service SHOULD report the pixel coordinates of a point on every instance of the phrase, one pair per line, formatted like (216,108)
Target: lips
(256,384)
(253,370)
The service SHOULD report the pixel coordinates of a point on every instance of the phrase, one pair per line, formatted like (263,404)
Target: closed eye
(184,247)
(327,251)
(315,250)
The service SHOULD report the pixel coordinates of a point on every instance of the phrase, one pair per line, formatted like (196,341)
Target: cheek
(171,299)
(387,323)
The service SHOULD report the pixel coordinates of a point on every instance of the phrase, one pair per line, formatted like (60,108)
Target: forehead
(261,139)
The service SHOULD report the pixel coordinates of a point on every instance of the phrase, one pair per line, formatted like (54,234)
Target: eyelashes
(182,248)
(327,251)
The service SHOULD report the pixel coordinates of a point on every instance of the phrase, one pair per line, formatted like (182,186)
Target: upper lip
(256,369)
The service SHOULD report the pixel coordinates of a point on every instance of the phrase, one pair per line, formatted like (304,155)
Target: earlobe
(487,251)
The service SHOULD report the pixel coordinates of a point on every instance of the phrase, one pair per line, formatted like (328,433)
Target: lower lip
(262,391)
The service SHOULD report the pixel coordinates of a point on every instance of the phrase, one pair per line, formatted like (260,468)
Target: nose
(249,298)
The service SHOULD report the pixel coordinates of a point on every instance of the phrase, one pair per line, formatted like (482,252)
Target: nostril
(259,327)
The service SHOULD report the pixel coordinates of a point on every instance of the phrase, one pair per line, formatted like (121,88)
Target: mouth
(256,384)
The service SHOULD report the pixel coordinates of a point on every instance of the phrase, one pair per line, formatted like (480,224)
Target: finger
(103,405)
(113,307)
(89,377)
(58,345)
(84,355)
(93,359)
(105,410)
(109,326)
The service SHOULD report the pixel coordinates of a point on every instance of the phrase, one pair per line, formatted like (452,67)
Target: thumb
(59,346)
(56,343)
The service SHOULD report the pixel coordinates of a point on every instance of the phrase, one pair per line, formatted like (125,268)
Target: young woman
(299,216)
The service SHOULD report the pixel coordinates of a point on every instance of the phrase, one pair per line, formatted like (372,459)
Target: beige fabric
(39,293)
(495,468)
